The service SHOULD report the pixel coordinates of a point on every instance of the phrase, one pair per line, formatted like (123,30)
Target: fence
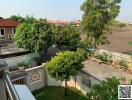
(5,45)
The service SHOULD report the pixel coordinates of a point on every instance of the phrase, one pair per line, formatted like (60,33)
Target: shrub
(18,65)
(122,25)
(107,89)
(104,57)
(124,64)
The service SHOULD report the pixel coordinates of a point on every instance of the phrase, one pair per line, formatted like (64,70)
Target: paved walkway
(101,71)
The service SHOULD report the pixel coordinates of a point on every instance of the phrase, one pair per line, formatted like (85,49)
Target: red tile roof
(57,22)
(77,21)
(8,23)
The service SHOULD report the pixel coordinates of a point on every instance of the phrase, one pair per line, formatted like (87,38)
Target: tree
(34,36)
(107,89)
(97,16)
(27,19)
(66,37)
(1,18)
(64,65)
(17,18)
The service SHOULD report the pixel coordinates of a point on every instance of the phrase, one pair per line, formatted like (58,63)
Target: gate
(18,77)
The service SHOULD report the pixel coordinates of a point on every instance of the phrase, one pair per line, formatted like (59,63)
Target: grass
(57,93)
(130,43)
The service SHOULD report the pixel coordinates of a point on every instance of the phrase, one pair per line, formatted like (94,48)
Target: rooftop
(8,23)
(57,22)
(102,71)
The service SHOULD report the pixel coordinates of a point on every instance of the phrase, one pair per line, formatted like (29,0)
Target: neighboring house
(57,22)
(8,28)
(76,22)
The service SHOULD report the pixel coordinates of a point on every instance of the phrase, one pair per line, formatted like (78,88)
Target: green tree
(65,65)
(35,36)
(106,90)
(1,18)
(27,19)
(17,18)
(66,37)
(97,16)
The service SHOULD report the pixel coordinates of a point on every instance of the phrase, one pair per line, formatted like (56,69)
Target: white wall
(38,83)
(44,78)
(81,86)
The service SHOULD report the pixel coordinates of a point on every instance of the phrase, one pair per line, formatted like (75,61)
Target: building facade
(7,28)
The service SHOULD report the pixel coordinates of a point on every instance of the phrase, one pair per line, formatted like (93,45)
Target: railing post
(3,95)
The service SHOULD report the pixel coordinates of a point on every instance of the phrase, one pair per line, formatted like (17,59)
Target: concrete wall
(9,32)
(116,57)
(35,78)
(75,82)
(82,87)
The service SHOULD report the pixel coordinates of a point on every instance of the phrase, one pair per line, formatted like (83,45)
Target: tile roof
(8,23)
(57,22)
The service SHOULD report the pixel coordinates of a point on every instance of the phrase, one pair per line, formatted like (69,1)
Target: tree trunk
(65,89)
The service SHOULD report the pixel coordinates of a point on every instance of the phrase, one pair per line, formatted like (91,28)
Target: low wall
(82,82)
(35,78)
(116,57)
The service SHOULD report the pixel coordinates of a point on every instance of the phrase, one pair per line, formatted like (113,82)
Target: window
(86,80)
(2,32)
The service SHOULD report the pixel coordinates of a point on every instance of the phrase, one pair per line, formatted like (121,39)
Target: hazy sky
(54,9)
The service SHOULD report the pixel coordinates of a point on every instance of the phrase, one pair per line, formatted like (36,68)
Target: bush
(107,89)
(33,57)
(104,57)
(18,65)
(122,25)
(124,64)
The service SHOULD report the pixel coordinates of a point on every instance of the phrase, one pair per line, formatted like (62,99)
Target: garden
(121,64)
(57,93)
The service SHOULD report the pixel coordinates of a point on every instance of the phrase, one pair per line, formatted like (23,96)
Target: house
(57,22)
(7,28)
(76,23)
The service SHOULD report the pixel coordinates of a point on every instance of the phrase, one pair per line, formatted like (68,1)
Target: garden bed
(122,65)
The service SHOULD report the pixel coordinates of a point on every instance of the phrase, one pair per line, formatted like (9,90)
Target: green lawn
(57,93)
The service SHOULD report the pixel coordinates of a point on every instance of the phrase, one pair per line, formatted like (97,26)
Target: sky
(55,9)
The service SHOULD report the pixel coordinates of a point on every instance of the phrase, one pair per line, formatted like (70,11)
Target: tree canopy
(27,19)
(17,18)
(66,37)
(97,15)
(35,36)
(1,18)
(65,65)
